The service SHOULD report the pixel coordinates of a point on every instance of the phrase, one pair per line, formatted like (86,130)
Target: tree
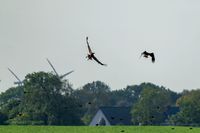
(151,106)
(10,100)
(92,96)
(189,109)
(45,102)
(10,94)
(125,97)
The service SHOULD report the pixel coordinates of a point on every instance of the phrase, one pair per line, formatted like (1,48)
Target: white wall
(96,119)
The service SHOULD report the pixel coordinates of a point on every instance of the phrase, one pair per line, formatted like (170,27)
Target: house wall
(97,118)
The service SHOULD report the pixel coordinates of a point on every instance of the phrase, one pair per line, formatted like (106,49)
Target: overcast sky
(118,31)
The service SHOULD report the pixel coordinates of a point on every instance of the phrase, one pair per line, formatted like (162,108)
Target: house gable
(98,119)
(112,116)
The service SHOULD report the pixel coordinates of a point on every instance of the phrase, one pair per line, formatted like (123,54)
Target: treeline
(45,99)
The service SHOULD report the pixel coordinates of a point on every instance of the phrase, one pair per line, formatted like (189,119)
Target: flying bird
(112,118)
(91,56)
(146,55)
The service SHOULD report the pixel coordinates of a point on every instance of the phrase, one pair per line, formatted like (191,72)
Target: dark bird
(121,119)
(25,92)
(146,55)
(20,114)
(112,118)
(91,56)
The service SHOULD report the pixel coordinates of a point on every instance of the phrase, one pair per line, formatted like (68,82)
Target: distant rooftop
(117,115)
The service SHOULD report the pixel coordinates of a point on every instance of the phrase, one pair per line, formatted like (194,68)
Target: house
(107,116)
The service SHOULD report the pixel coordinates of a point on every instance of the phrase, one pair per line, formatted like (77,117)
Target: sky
(118,30)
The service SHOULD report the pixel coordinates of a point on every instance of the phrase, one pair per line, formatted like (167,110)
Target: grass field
(86,129)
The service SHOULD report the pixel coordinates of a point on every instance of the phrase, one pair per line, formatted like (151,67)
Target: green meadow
(100,129)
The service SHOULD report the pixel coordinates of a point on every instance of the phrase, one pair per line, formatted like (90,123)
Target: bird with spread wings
(147,54)
(91,56)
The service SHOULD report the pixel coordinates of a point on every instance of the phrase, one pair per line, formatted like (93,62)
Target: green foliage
(10,109)
(9,102)
(125,97)
(43,100)
(87,119)
(189,109)
(11,94)
(92,96)
(46,102)
(152,105)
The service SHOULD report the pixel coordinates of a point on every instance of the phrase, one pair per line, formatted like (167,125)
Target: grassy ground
(86,129)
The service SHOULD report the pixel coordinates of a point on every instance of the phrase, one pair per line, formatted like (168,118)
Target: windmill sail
(19,82)
(62,76)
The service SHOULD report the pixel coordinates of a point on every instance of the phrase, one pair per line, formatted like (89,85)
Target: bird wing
(141,54)
(98,61)
(89,49)
(152,57)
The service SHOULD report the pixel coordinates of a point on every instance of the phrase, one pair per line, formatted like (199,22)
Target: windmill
(18,82)
(60,76)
